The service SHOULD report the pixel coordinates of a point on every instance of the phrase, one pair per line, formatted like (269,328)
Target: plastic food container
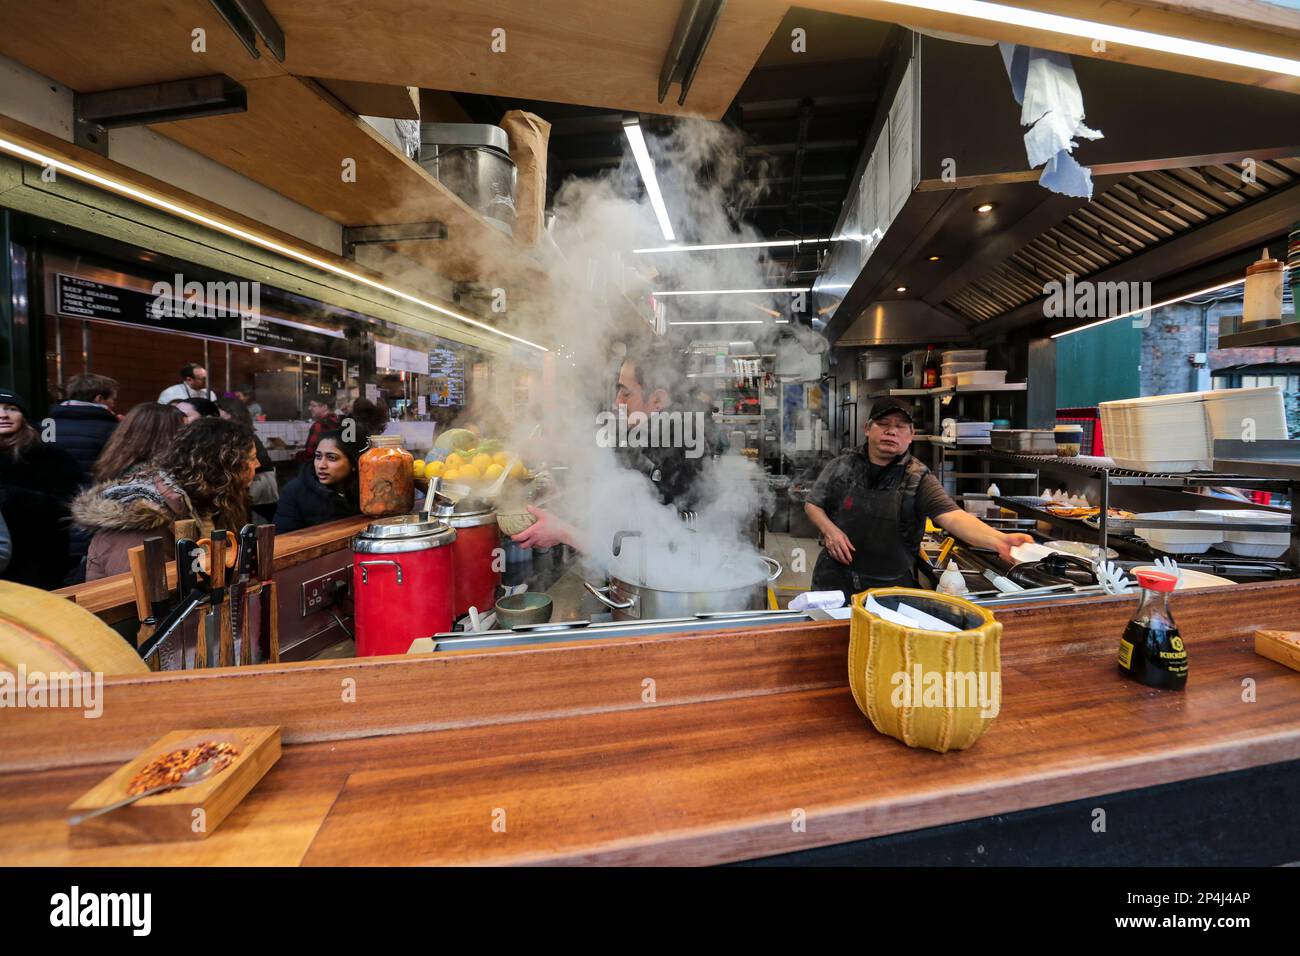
(988,377)
(979,356)
(1246,414)
(956,368)
(1254,544)
(1069,440)
(1160,433)
(1174,541)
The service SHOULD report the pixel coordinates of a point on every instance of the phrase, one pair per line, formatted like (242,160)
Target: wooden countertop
(113,598)
(748,727)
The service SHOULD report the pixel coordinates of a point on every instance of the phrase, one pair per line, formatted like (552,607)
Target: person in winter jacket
(326,489)
(6,546)
(204,475)
(37,480)
(86,420)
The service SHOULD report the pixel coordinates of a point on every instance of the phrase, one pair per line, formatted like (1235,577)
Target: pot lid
(465,134)
(404,526)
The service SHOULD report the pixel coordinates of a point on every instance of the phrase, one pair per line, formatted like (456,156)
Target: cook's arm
(973,531)
(834,540)
(548,531)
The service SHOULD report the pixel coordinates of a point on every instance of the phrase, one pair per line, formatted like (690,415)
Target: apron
(884,553)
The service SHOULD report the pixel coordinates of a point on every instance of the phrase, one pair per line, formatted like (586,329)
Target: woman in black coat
(326,489)
(37,481)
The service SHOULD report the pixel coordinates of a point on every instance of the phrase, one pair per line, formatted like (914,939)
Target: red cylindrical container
(478,562)
(403,583)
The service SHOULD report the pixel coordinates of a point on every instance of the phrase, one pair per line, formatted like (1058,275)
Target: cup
(1069,440)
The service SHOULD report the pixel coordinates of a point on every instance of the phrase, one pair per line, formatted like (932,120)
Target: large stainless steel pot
(632,602)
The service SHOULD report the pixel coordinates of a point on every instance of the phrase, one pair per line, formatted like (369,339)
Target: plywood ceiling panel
(92,45)
(589,52)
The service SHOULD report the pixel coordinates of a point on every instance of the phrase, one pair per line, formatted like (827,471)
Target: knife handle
(201,641)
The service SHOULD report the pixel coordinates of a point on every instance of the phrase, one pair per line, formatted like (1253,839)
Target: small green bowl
(527,608)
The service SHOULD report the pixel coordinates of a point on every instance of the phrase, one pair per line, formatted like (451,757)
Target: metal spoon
(191,777)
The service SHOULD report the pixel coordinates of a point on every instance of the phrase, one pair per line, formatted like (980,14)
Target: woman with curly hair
(204,474)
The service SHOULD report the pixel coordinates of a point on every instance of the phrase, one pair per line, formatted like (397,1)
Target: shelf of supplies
(960,390)
(1105,468)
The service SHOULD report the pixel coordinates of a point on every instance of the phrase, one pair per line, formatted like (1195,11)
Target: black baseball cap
(9,397)
(888,407)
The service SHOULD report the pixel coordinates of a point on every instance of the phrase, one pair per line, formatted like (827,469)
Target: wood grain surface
(715,767)
(113,598)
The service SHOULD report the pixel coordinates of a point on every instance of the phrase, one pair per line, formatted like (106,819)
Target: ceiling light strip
(185,212)
(729,291)
(715,246)
(636,139)
(1156,305)
(1090,30)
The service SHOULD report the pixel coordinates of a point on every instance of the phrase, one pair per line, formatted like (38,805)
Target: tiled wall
(291,433)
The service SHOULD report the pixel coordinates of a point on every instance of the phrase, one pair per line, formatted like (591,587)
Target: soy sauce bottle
(1151,651)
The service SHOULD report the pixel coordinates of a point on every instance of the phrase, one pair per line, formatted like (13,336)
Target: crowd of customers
(81,485)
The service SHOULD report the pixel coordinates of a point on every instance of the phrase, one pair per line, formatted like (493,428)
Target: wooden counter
(747,727)
(113,599)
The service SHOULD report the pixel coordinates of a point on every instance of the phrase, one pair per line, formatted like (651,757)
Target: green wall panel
(1099,365)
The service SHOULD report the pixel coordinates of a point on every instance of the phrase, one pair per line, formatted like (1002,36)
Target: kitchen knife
(245,564)
(218,631)
(267,647)
(192,587)
(155,568)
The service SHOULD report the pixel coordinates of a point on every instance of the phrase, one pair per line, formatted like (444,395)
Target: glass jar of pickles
(387,477)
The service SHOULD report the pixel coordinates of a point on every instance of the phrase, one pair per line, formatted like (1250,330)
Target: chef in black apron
(870,505)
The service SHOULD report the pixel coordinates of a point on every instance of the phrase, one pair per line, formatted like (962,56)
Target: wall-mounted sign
(80,298)
(399,359)
(226,319)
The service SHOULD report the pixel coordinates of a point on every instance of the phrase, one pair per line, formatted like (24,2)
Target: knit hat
(9,397)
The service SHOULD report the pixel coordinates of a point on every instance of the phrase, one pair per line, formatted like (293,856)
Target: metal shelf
(960,390)
(1105,469)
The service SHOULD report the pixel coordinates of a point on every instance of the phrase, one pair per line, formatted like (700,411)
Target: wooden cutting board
(1280,646)
(186,813)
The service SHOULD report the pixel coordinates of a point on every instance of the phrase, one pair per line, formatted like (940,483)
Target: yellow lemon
(418,468)
(501,458)
(455,461)
(470,474)
(481,461)
(434,469)
(451,474)
(519,471)
(493,472)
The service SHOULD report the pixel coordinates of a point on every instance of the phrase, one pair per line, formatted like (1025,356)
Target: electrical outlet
(326,590)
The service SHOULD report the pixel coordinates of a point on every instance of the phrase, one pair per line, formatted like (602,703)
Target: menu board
(447,369)
(86,299)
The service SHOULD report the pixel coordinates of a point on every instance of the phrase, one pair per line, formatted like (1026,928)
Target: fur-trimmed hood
(143,499)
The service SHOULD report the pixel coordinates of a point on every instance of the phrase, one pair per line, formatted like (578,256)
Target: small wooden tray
(1280,646)
(186,813)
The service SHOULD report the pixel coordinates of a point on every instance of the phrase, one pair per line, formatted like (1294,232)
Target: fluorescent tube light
(720,322)
(185,212)
(1154,305)
(1090,30)
(728,291)
(712,246)
(636,139)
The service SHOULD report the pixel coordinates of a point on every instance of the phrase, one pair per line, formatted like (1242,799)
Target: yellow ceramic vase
(926,688)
